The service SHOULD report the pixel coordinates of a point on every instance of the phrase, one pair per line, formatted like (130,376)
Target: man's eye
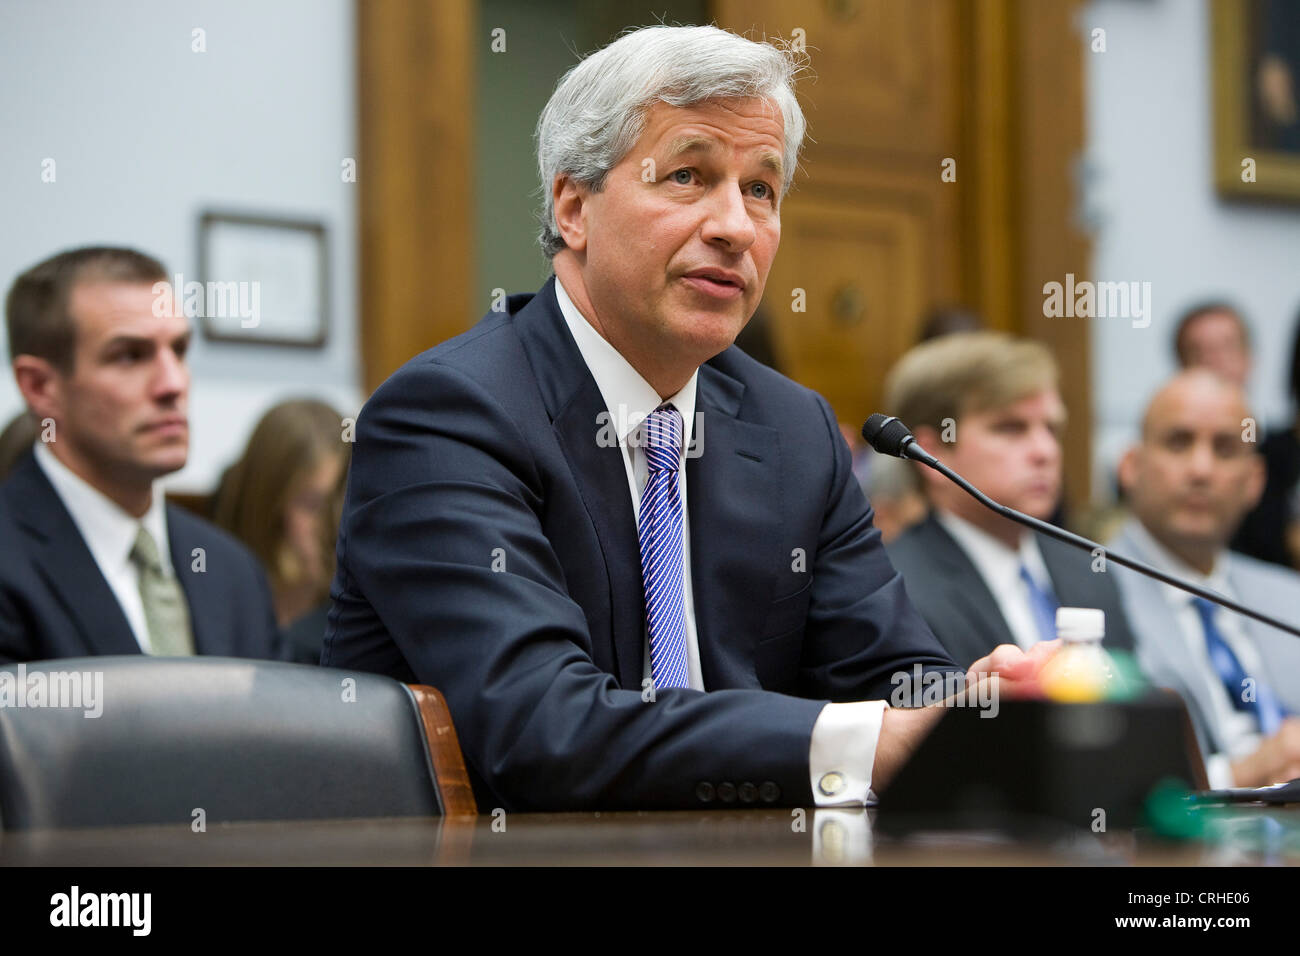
(682,172)
(765,191)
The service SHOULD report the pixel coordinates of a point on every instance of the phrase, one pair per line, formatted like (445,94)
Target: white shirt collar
(109,532)
(628,397)
(992,556)
(1166,560)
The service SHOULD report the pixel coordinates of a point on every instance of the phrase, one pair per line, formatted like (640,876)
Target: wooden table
(1250,835)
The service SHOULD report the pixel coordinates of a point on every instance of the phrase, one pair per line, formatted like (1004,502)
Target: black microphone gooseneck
(889,436)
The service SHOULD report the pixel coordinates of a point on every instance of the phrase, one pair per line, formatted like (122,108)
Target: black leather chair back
(236,739)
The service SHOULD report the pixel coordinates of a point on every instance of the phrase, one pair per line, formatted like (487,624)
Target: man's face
(679,242)
(1215,341)
(1012,454)
(1193,478)
(123,407)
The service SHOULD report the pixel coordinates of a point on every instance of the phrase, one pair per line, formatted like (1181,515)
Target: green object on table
(1170,812)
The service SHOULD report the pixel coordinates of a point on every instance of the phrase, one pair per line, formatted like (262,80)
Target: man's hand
(1016,672)
(1277,759)
(903,729)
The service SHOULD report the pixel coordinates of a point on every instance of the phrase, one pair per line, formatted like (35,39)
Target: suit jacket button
(748,792)
(704,791)
(727,792)
(769,792)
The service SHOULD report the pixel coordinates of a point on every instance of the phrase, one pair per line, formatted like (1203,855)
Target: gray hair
(598,110)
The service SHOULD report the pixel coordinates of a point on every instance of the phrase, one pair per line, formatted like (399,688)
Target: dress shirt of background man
(94,561)
(489,542)
(1188,481)
(987,406)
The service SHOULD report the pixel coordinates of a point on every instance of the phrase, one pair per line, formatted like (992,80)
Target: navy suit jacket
(55,602)
(488,547)
(963,612)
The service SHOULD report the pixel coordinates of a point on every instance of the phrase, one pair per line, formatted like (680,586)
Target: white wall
(146,133)
(1150,190)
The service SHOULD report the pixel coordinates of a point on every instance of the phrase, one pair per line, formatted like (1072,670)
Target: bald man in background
(1190,479)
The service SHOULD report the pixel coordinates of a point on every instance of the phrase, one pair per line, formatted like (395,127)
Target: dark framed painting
(263,280)
(1256,64)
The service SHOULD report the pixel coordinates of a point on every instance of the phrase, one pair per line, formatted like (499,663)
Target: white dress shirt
(109,534)
(1238,728)
(999,566)
(843,747)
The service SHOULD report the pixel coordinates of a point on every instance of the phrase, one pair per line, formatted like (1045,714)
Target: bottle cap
(1080,623)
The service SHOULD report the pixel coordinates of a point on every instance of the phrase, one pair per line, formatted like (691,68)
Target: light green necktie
(165,611)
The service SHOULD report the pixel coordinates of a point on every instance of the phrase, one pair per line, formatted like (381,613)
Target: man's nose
(1045,446)
(728,222)
(172,375)
(1201,460)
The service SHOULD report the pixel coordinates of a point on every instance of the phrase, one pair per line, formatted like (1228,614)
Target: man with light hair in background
(987,406)
(1189,479)
(634,560)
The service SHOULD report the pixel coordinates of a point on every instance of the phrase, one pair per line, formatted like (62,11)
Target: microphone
(889,436)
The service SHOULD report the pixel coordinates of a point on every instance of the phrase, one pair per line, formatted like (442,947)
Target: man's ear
(1256,479)
(41,386)
(570,202)
(928,438)
(1128,469)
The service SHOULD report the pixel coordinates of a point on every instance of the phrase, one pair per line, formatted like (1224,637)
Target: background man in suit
(1189,481)
(95,562)
(633,559)
(987,406)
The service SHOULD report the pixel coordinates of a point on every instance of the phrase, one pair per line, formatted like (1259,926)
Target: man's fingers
(1045,649)
(1001,660)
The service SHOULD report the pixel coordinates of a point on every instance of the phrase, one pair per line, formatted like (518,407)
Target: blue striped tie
(1266,709)
(1043,605)
(661,549)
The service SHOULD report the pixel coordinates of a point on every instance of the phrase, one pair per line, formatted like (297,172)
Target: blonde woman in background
(282,499)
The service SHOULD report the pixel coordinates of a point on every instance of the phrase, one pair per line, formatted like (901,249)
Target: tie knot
(663,438)
(1205,607)
(145,551)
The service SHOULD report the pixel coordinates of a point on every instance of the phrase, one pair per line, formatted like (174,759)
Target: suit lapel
(733,496)
(602,481)
(61,557)
(966,590)
(575,404)
(1160,651)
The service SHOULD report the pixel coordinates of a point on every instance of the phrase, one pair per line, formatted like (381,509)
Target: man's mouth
(167,426)
(717,283)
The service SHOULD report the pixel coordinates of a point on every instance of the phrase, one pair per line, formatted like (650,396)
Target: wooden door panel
(862,273)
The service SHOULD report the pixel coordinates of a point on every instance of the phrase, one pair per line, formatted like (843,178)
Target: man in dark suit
(633,559)
(987,405)
(94,561)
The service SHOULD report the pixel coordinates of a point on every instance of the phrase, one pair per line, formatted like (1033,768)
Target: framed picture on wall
(1256,62)
(263,280)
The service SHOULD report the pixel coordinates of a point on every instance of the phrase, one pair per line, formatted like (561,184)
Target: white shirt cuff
(1218,770)
(843,752)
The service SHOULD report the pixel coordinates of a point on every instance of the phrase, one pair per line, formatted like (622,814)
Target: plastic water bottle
(1081,671)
